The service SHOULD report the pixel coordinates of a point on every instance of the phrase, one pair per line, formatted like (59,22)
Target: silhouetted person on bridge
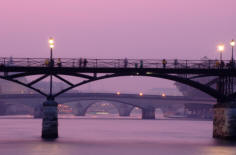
(52,63)
(80,62)
(59,62)
(231,64)
(217,64)
(125,62)
(46,62)
(222,64)
(85,62)
(10,62)
(175,63)
(164,62)
(141,63)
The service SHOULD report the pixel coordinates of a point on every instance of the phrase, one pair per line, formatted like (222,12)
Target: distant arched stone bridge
(123,102)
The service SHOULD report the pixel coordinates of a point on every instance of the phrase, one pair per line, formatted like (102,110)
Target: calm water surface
(91,136)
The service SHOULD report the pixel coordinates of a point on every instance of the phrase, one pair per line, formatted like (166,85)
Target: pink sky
(188,29)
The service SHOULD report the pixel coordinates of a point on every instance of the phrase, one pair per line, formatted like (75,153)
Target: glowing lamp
(51,46)
(221,48)
(51,42)
(163,95)
(232,43)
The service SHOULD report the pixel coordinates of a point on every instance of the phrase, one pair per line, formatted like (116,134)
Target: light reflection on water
(113,136)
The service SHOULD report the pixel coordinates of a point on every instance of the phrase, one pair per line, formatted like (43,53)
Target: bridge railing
(115,63)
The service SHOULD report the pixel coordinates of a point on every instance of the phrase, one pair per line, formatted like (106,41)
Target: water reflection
(219,150)
(114,136)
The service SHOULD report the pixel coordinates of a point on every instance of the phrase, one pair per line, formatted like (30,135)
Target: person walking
(125,62)
(59,62)
(164,62)
(46,62)
(222,64)
(175,63)
(217,64)
(52,63)
(85,63)
(80,62)
(141,63)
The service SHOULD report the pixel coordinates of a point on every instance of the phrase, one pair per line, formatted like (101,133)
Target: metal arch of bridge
(116,68)
(192,83)
(23,84)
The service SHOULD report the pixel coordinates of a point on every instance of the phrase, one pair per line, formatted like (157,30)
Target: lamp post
(51,45)
(221,48)
(232,43)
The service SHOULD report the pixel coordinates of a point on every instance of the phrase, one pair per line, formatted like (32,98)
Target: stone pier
(80,109)
(79,112)
(224,120)
(124,109)
(148,113)
(50,120)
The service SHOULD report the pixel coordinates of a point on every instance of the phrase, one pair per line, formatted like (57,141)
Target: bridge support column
(38,111)
(148,113)
(125,110)
(224,120)
(50,120)
(79,110)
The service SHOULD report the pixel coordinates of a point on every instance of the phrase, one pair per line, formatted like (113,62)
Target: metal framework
(183,71)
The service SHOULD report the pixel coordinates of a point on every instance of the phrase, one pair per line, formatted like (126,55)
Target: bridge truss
(189,72)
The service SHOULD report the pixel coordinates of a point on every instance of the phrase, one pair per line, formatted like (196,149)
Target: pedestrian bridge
(183,71)
(220,85)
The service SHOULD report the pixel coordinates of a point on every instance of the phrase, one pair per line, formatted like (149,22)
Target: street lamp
(51,45)
(232,43)
(221,48)
(163,95)
(118,93)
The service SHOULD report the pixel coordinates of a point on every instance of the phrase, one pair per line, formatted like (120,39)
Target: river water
(112,136)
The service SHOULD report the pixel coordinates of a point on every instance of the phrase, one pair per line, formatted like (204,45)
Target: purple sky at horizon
(183,29)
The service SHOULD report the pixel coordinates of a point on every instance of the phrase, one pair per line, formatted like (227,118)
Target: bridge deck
(116,65)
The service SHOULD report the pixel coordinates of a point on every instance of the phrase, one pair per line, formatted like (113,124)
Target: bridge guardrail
(117,63)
